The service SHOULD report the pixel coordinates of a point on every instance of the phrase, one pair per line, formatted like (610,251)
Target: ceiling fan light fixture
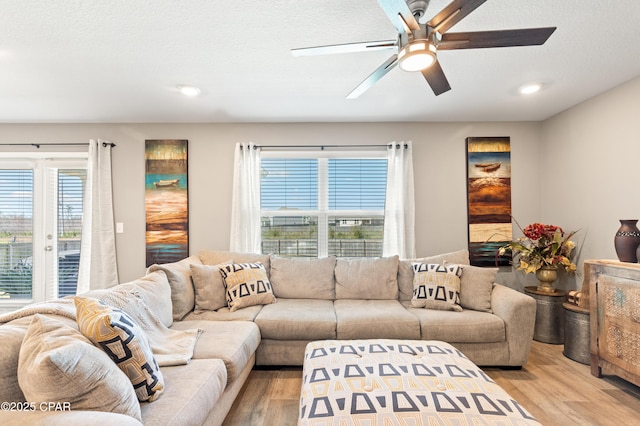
(417,55)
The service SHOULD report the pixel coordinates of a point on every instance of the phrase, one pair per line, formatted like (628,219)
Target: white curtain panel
(399,209)
(245,203)
(98,267)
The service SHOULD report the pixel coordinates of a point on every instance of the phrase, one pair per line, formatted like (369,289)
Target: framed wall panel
(488,198)
(166,201)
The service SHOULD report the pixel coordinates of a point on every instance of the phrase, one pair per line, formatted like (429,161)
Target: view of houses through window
(314,207)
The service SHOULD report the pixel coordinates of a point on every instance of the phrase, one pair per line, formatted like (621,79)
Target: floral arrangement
(542,245)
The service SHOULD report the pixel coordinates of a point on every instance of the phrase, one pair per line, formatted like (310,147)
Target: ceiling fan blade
(345,48)
(453,13)
(380,72)
(501,38)
(436,78)
(400,15)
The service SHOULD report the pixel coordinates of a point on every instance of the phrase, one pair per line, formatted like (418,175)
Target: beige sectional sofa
(315,299)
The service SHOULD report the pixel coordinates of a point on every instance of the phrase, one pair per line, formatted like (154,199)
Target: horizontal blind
(289,184)
(16,233)
(357,184)
(70,185)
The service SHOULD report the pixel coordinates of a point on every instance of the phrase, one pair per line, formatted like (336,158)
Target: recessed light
(529,89)
(189,90)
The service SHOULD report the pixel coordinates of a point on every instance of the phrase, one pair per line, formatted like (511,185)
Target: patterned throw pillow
(116,333)
(247,284)
(436,286)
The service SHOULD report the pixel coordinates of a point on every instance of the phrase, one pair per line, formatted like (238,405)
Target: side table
(549,315)
(576,333)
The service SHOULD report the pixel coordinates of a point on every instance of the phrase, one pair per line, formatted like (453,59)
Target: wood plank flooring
(555,389)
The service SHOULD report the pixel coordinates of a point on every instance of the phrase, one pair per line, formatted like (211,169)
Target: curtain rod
(38,145)
(322,147)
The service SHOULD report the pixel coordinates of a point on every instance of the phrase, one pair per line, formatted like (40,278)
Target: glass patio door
(40,227)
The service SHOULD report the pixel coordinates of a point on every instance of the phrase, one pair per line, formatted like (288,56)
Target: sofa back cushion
(367,278)
(405,270)
(293,278)
(179,276)
(216,257)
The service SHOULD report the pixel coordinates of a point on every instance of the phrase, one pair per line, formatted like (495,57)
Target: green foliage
(17,280)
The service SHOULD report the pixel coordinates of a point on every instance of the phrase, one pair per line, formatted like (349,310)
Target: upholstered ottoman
(398,382)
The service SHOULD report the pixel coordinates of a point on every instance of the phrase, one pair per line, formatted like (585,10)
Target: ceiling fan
(418,43)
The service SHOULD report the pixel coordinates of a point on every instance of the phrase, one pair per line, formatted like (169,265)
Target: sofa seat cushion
(375,319)
(225,314)
(234,343)
(191,392)
(298,319)
(467,326)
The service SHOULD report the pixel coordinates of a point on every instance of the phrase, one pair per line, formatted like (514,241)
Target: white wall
(591,164)
(439,164)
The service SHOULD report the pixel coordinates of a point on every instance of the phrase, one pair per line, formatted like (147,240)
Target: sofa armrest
(518,311)
(66,418)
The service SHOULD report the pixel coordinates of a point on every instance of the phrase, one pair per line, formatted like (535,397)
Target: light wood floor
(555,389)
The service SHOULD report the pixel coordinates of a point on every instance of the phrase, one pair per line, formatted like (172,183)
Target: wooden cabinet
(614,299)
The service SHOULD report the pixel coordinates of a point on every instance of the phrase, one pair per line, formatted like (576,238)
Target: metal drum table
(549,315)
(576,333)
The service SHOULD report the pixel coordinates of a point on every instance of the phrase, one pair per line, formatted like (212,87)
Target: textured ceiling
(80,61)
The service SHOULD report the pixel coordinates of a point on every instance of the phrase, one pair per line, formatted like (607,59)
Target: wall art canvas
(166,200)
(488,198)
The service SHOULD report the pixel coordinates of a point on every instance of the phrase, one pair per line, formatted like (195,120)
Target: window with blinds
(16,233)
(70,194)
(314,207)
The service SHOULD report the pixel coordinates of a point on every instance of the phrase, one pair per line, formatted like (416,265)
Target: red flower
(535,231)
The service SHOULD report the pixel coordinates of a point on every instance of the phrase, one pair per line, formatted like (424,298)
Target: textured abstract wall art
(166,200)
(488,198)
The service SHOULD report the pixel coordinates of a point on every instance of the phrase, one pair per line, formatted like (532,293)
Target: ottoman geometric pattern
(400,382)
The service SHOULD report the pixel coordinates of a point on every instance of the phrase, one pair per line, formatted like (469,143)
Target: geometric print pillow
(117,334)
(436,286)
(247,284)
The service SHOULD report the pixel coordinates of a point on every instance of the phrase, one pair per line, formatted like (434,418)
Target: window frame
(323,213)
